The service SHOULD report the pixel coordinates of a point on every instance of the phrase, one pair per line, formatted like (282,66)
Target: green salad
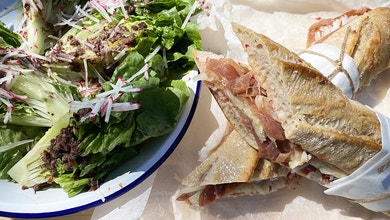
(84,83)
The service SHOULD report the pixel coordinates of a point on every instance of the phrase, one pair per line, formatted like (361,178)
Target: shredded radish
(77,105)
(35,38)
(98,6)
(34,5)
(22,54)
(39,4)
(7,117)
(103,107)
(98,75)
(187,19)
(11,74)
(86,43)
(112,5)
(37,56)
(69,22)
(5,101)
(53,37)
(14,62)
(117,90)
(116,29)
(121,54)
(56,66)
(164,51)
(65,57)
(59,79)
(72,20)
(10,107)
(6,80)
(152,54)
(108,109)
(141,71)
(98,106)
(85,13)
(146,74)
(20,98)
(123,9)
(128,106)
(86,76)
(11,52)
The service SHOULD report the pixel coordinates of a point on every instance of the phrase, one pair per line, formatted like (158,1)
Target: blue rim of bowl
(126,188)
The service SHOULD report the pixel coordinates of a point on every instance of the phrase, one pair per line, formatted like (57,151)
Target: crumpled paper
(286,22)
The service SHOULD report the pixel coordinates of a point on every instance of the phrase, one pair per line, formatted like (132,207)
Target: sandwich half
(233,169)
(289,117)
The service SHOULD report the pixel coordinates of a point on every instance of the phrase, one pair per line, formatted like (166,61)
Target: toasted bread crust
(367,41)
(234,161)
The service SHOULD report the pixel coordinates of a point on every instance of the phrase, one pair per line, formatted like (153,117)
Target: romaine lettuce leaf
(8,38)
(12,134)
(160,109)
(30,171)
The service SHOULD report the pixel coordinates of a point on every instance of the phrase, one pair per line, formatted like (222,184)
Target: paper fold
(370,184)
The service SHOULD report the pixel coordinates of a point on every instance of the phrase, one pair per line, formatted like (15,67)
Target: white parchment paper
(324,59)
(370,183)
(286,22)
